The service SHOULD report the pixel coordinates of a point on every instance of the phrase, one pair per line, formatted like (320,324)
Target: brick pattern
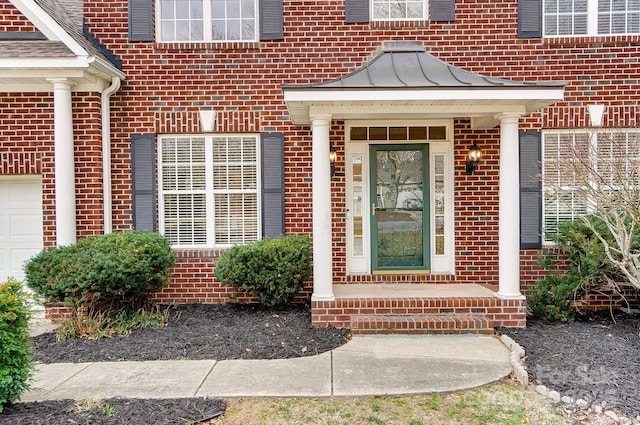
(11,19)
(224,122)
(20,163)
(417,324)
(167,84)
(497,311)
(57,313)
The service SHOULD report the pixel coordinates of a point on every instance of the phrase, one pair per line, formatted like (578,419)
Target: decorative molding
(188,122)
(20,163)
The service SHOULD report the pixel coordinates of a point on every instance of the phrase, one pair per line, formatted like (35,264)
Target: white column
(64,163)
(322,261)
(509,214)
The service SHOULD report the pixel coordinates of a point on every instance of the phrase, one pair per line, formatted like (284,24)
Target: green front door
(399,209)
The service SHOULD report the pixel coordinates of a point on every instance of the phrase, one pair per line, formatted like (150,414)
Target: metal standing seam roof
(406,64)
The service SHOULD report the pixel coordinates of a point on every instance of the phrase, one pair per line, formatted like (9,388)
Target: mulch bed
(113,411)
(198,331)
(596,358)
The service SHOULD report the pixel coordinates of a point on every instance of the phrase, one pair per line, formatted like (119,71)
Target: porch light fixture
(332,159)
(473,158)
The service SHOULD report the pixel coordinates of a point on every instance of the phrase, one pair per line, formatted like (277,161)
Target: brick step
(420,324)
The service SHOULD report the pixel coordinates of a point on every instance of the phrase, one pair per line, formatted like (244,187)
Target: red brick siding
(11,19)
(171,82)
(343,310)
(167,84)
(27,147)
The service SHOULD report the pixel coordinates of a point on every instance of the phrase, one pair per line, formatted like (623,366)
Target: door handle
(374,207)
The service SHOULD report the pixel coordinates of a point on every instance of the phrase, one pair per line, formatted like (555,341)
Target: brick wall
(167,84)
(12,20)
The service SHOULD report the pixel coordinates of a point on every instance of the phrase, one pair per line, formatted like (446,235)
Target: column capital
(509,117)
(61,83)
(319,119)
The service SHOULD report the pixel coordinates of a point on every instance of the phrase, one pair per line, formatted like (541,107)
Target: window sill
(198,252)
(208,46)
(590,39)
(399,24)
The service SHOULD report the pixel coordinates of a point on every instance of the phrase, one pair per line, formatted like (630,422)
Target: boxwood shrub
(15,360)
(273,270)
(119,269)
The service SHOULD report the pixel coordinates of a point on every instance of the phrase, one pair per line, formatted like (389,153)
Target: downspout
(105,101)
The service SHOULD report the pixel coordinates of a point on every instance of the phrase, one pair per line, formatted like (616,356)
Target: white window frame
(372,9)
(592,22)
(207,24)
(592,137)
(210,191)
(440,263)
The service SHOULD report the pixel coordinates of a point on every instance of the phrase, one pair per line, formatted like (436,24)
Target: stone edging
(517,359)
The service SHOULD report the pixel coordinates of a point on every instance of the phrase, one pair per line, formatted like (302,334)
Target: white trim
(444,264)
(592,23)
(482,105)
(207,28)
(444,95)
(209,191)
(424,17)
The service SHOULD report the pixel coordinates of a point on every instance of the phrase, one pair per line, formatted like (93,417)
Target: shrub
(119,270)
(15,360)
(273,270)
(588,269)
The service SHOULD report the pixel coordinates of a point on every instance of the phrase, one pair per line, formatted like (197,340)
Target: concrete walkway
(365,366)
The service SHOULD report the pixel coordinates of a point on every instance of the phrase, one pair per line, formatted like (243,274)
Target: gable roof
(405,81)
(67,49)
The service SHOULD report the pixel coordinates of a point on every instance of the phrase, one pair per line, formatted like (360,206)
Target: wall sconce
(473,158)
(332,159)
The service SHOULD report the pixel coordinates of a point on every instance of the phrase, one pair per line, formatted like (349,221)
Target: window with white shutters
(209,190)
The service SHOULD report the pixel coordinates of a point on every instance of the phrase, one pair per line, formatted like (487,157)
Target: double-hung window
(591,17)
(207,20)
(209,190)
(606,160)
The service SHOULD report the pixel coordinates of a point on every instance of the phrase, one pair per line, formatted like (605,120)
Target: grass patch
(499,403)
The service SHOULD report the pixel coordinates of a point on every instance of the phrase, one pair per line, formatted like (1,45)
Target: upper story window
(398,10)
(591,17)
(207,20)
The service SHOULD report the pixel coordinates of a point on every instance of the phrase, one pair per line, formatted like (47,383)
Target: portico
(404,84)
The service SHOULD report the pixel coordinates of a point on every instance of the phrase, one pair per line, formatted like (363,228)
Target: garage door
(20,223)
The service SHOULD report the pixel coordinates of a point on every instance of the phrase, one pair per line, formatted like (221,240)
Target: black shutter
(271,20)
(140,20)
(530,18)
(143,166)
(356,11)
(272,153)
(530,190)
(442,10)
